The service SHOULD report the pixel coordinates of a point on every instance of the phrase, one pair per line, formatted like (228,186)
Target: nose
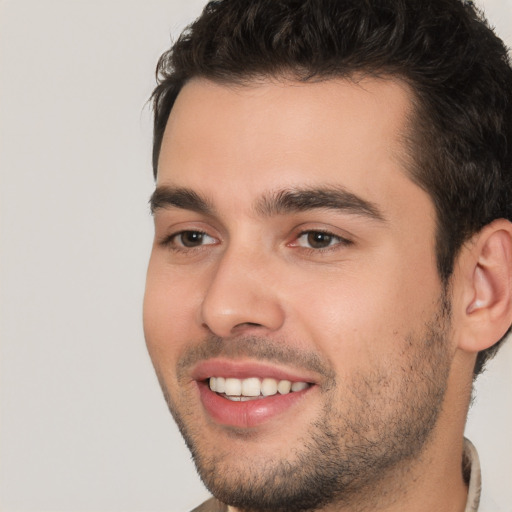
(242,295)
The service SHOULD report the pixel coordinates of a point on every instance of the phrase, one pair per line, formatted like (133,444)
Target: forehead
(234,141)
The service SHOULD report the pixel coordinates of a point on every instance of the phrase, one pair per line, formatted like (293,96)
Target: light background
(83,424)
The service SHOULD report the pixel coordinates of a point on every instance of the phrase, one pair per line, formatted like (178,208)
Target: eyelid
(342,241)
(166,236)
(203,234)
(335,238)
(169,239)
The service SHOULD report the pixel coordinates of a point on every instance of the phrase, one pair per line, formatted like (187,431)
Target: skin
(368,307)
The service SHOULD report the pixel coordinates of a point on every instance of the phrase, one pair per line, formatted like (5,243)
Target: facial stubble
(387,419)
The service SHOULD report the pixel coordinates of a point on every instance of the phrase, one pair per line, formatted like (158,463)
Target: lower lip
(250,413)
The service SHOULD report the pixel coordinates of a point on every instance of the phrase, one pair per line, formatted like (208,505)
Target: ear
(485,270)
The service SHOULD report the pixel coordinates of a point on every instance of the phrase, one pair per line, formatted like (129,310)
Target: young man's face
(291,246)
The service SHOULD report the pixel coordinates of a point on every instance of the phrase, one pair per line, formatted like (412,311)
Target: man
(332,263)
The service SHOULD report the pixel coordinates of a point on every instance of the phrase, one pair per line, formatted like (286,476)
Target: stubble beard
(344,456)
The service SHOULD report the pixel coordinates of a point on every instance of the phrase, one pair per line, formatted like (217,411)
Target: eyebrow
(183,198)
(329,198)
(278,202)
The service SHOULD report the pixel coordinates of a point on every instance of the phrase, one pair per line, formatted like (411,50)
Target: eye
(190,239)
(319,240)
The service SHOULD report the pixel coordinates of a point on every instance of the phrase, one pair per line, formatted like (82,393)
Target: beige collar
(472,475)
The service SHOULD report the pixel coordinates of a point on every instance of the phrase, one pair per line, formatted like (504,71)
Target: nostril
(247,324)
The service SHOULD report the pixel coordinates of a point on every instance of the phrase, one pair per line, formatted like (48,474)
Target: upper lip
(219,367)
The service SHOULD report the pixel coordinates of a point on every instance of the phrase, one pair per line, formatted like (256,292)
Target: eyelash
(170,241)
(339,241)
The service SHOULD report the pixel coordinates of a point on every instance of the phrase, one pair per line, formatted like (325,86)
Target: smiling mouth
(253,388)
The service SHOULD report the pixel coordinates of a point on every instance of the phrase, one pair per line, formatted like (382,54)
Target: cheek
(169,310)
(364,309)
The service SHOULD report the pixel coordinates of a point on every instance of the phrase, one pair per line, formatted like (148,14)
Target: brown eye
(192,239)
(319,240)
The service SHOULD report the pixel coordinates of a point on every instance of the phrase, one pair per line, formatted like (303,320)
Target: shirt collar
(472,475)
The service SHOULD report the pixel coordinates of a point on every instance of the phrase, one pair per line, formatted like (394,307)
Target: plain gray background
(83,424)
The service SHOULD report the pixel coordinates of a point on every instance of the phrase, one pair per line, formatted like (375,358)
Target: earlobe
(488,305)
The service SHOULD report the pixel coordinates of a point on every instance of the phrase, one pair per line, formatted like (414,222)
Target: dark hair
(460,143)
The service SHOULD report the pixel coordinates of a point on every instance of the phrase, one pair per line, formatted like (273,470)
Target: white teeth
(299,386)
(220,385)
(245,389)
(268,387)
(284,387)
(233,387)
(251,387)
